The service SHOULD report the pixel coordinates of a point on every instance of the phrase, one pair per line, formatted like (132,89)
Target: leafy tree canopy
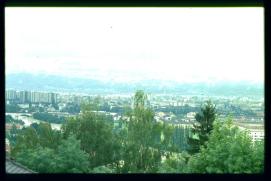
(229,150)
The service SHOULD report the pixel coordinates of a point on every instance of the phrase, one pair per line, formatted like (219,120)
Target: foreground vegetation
(89,143)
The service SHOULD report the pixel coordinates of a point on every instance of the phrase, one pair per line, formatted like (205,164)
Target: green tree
(102,169)
(12,108)
(27,139)
(9,119)
(67,158)
(96,135)
(229,150)
(50,118)
(37,159)
(202,128)
(47,136)
(12,134)
(70,158)
(36,135)
(174,163)
(146,140)
(93,105)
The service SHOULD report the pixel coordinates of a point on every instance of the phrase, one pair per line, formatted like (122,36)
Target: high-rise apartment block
(31,97)
(11,95)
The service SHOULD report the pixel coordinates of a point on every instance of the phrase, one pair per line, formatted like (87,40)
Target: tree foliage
(27,139)
(71,108)
(180,136)
(96,136)
(47,136)
(67,158)
(9,119)
(12,108)
(174,163)
(146,140)
(229,150)
(102,169)
(202,128)
(89,143)
(50,118)
(70,158)
(34,136)
(11,135)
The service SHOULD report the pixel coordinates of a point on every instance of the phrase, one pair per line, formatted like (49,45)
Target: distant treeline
(9,119)
(183,110)
(116,109)
(235,110)
(50,118)
(178,110)
(71,108)
(12,108)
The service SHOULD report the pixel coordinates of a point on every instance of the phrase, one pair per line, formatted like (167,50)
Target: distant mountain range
(42,82)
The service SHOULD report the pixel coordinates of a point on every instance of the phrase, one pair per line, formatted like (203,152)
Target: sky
(132,44)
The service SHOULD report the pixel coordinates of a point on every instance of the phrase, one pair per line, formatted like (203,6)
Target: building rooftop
(251,126)
(13,167)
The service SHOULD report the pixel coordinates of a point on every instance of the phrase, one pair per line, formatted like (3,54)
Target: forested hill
(41,82)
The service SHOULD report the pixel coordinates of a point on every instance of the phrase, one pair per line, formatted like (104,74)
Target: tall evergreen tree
(202,128)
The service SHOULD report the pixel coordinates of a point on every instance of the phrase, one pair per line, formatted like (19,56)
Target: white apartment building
(255,133)
(191,115)
(11,94)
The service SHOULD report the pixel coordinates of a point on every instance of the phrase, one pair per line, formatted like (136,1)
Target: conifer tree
(202,128)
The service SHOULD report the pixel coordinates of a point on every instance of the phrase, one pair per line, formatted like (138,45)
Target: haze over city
(134,90)
(128,44)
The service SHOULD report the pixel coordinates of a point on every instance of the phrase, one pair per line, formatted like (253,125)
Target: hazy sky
(182,44)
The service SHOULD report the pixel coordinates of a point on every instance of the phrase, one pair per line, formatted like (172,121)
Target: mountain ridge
(42,82)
